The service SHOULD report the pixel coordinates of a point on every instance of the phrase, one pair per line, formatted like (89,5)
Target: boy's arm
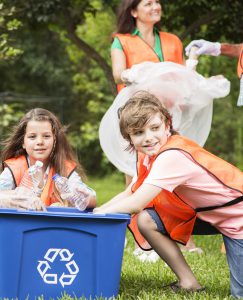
(133,203)
(126,193)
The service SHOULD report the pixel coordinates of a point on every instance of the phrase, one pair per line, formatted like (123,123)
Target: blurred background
(55,54)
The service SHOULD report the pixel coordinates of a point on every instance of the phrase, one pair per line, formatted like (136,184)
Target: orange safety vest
(137,50)
(177,216)
(19,165)
(240,63)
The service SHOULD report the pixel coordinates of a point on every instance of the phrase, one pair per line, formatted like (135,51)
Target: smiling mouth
(150,145)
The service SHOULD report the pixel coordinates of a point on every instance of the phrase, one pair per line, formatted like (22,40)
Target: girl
(177,182)
(40,136)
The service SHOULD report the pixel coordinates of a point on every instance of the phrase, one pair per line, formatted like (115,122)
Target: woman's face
(38,141)
(147,11)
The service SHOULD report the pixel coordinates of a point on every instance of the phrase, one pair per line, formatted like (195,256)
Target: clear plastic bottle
(77,199)
(30,182)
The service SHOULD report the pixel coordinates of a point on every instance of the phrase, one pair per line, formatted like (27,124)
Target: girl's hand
(11,200)
(33,203)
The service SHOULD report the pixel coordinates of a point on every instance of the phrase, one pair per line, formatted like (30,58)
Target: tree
(65,54)
(217,19)
(6,50)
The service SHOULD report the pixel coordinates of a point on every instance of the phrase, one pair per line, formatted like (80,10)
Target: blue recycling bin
(60,250)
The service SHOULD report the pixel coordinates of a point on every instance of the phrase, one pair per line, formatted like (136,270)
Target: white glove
(129,76)
(204,47)
(13,200)
(79,196)
(191,63)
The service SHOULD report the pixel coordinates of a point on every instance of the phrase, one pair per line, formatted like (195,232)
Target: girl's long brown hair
(61,152)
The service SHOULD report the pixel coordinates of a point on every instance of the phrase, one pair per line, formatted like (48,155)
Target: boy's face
(151,137)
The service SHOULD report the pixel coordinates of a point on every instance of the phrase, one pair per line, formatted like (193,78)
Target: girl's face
(151,137)
(38,141)
(147,11)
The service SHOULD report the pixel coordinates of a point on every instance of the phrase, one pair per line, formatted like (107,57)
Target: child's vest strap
(240,64)
(232,202)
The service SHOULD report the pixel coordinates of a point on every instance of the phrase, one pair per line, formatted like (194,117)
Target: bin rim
(68,212)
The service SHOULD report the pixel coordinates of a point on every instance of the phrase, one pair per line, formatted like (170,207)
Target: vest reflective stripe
(177,216)
(137,50)
(19,165)
(240,63)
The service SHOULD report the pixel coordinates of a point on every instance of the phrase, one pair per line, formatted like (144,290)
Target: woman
(138,38)
(145,58)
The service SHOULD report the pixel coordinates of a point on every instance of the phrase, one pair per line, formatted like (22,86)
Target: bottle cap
(39,163)
(55,176)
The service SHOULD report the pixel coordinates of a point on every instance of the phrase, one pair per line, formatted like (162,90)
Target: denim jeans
(234,252)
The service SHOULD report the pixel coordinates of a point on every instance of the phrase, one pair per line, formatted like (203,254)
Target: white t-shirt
(176,171)
(7,180)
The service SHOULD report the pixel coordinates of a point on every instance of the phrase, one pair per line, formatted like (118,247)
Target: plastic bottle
(31,180)
(76,198)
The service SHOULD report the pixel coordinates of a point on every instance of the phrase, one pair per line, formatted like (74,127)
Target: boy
(177,182)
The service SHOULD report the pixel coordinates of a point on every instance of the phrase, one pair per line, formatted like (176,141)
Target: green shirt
(157,48)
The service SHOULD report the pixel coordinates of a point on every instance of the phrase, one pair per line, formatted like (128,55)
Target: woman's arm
(232,50)
(118,60)
(134,203)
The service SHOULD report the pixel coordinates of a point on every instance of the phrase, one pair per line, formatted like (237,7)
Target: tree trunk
(93,55)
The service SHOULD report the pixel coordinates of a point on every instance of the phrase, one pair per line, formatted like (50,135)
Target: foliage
(7,51)
(64,65)
(213,20)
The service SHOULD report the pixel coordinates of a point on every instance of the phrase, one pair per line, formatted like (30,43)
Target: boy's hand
(97,210)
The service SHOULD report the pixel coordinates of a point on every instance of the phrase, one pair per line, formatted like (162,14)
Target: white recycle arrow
(51,257)
(73,264)
(40,265)
(65,255)
(69,277)
(50,278)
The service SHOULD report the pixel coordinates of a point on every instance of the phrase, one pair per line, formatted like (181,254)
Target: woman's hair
(138,111)
(61,151)
(126,23)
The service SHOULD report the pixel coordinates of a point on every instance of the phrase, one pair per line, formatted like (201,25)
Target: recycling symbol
(71,268)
